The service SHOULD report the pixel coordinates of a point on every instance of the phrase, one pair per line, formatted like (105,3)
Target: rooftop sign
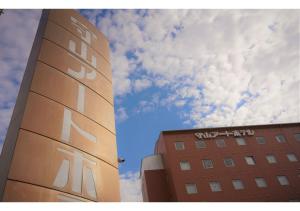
(235,133)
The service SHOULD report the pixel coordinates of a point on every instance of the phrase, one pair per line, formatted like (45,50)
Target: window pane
(207,163)
(283,180)
(271,159)
(215,186)
(260,140)
(220,142)
(260,182)
(238,184)
(179,145)
(297,136)
(200,144)
(250,160)
(191,188)
(280,138)
(292,157)
(228,162)
(240,141)
(185,165)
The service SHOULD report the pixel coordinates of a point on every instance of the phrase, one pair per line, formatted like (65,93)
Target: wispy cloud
(121,114)
(131,187)
(18,28)
(210,58)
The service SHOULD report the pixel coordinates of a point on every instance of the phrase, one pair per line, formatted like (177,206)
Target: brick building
(246,163)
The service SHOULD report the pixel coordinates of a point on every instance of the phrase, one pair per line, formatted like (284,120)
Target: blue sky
(177,69)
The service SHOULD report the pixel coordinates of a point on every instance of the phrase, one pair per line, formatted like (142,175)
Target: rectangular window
(280,138)
(297,136)
(271,159)
(260,182)
(207,163)
(250,160)
(179,145)
(292,157)
(260,140)
(229,162)
(215,186)
(220,143)
(185,165)
(240,141)
(191,188)
(283,180)
(237,184)
(200,144)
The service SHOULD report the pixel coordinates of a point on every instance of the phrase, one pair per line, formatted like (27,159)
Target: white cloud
(212,58)
(121,114)
(180,103)
(130,185)
(18,28)
(141,84)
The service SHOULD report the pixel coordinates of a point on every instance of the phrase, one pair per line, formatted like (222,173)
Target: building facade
(237,164)
(61,142)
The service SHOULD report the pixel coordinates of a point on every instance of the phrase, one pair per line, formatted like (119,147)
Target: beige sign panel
(75,46)
(60,123)
(22,192)
(58,58)
(82,28)
(63,89)
(61,143)
(41,161)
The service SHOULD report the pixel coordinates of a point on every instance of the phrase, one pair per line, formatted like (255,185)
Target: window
(179,145)
(261,140)
(185,165)
(191,188)
(220,143)
(215,186)
(283,180)
(240,141)
(297,136)
(237,184)
(271,159)
(280,139)
(228,162)
(207,164)
(260,182)
(200,144)
(292,157)
(250,160)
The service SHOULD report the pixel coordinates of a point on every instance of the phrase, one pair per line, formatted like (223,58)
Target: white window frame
(200,141)
(259,138)
(204,163)
(297,136)
(183,167)
(272,160)
(215,186)
(233,164)
(292,157)
(280,140)
(241,141)
(261,182)
(283,180)
(220,143)
(191,188)
(178,149)
(238,184)
(252,163)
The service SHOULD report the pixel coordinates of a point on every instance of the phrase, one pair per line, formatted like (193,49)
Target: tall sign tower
(61,143)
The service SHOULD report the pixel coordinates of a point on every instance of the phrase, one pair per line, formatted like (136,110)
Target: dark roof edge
(252,126)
